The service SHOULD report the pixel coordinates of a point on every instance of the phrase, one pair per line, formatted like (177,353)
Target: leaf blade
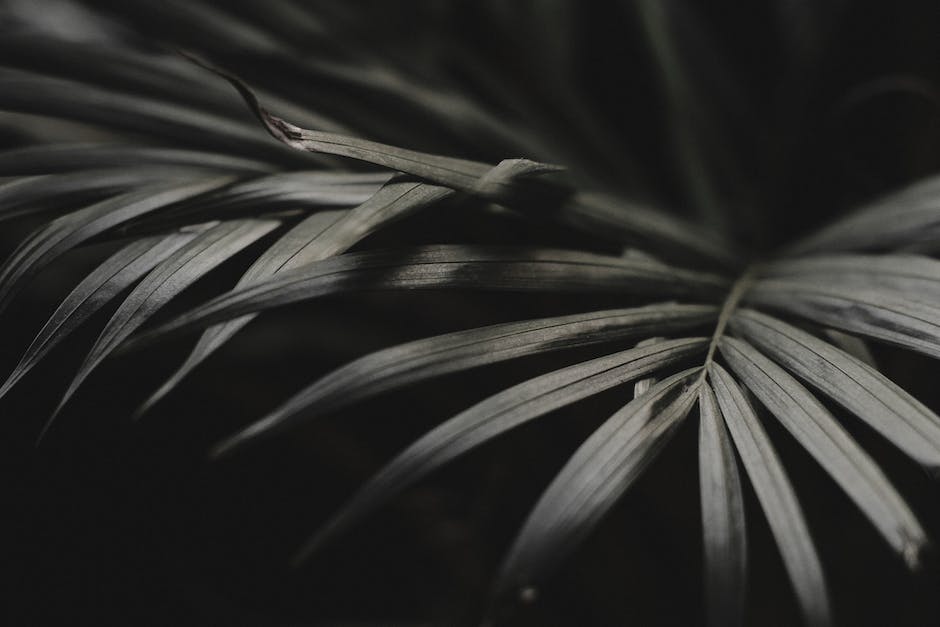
(170,277)
(321,235)
(775,494)
(28,195)
(904,218)
(722,501)
(97,289)
(873,313)
(411,363)
(68,231)
(472,177)
(912,277)
(858,387)
(827,441)
(496,415)
(448,267)
(594,478)
(65,157)
(628,222)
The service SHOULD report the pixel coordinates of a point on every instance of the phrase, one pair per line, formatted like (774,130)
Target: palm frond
(414,362)
(75,228)
(501,412)
(776,497)
(599,472)
(723,527)
(179,180)
(113,276)
(855,385)
(171,276)
(828,442)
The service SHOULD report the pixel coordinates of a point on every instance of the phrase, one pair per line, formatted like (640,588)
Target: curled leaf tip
(279,129)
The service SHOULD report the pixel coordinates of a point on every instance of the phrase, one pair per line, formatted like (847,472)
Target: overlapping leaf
(26,195)
(881,314)
(723,527)
(464,175)
(417,361)
(776,497)
(64,233)
(174,274)
(828,442)
(853,384)
(95,291)
(595,477)
(68,157)
(501,412)
(127,112)
(320,236)
(121,93)
(451,267)
(907,277)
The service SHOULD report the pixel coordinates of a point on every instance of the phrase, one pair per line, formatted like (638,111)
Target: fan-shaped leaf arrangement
(715,333)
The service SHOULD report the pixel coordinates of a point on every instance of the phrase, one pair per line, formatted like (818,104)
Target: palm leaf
(170,277)
(904,218)
(439,267)
(320,236)
(852,383)
(499,413)
(126,112)
(594,478)
(467,176)
(68,157)
(725,535)
(835,450)
(31,194)
(95,291)
(880,314)
(417,361)
(118,141)
(776,497)
(63,234)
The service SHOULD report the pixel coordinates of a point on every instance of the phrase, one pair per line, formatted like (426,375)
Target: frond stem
(738,290)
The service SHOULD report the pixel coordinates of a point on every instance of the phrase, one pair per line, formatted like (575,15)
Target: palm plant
(146,158)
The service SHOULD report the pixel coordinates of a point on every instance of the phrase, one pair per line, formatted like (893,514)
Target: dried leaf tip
(280,129)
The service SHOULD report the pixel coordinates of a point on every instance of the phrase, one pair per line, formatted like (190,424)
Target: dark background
(113,523)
